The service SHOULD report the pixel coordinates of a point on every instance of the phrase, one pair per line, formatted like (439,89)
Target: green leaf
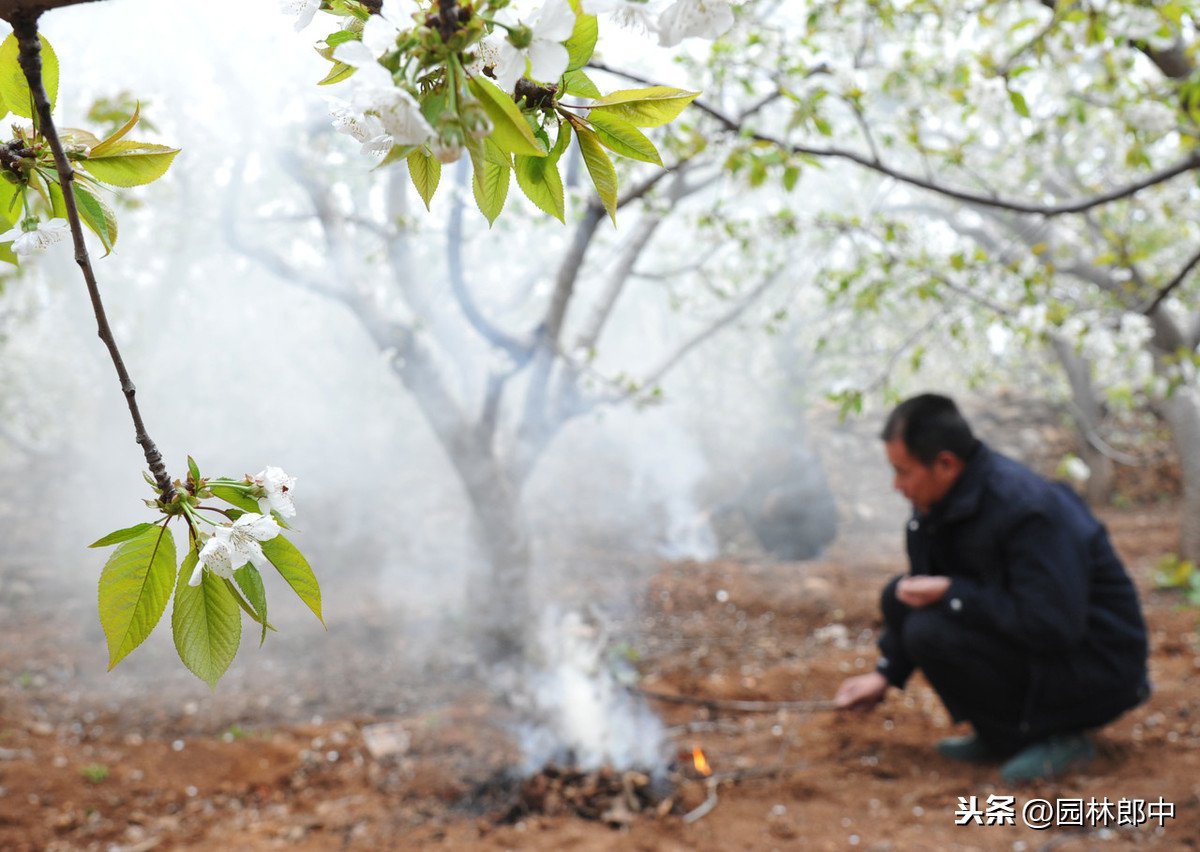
(10,211)
(205,622)
(426,172)
(1018,102)
(621,136)
(126,534)
(75,136)
(129,163)
(93,212)
(578,83)
(650,107)
(134,587)
(97,215)
(582,43)
(394,155)
(511,132)
(339,72)
(10,201)
(490,183)
(235,497)
(600,167)
(539,179)
(14,89)
(294,569)
(251,595)
(341,37)
(100,148)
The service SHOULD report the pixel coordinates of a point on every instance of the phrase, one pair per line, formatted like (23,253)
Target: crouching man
(1016,608)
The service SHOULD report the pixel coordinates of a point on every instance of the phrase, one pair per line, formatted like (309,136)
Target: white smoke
(584,714)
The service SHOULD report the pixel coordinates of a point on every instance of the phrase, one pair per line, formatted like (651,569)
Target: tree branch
(518,350)
(875,164)
(30,57)
(1166,289)
(656,375)
(11,10)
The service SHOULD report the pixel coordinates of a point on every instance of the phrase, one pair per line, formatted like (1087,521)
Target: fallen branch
(717,780)
(707,805)
(737,706)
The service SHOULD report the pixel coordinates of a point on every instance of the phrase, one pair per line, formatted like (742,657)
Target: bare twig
(715,781)
(25,27)
(1171,285)
(707,805)
(739,706)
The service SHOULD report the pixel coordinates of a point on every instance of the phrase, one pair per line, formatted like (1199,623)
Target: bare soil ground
(82,770)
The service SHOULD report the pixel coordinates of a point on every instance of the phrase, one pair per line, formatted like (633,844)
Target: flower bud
(520,37)
(446,152)
(475,121)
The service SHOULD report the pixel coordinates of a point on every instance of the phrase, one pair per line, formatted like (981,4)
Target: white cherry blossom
(381,31)
(367,129)
(693,19)
(546,55)
(276,486)
(233,545)
(637,15)
(302,10)
(44,235)
(374,92)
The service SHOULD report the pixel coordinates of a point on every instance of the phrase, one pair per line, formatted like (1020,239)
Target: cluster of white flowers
(1137,23)
(671,20)
(381,111)
(1153,118)
(276,487)
(547,57)
(1032,318)
(41,236)
(233,545)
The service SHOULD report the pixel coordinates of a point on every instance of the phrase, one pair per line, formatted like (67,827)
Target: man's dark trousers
(982,678)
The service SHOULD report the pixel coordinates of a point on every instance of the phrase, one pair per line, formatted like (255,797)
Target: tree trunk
(1182,412)
(499,606)
(1088,412)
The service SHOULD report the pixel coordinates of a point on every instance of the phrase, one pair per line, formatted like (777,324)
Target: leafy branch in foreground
(32,201)
(430,81)
(220,573)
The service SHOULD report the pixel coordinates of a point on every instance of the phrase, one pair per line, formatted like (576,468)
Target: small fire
(700,762)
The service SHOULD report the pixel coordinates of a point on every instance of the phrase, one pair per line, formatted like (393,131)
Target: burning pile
(604,795)
(592,747)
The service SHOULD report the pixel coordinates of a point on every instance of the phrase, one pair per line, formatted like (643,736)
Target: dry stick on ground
(738,706)
(25,27)
(715,781)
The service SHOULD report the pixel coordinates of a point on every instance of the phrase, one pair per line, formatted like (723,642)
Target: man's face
(921,484)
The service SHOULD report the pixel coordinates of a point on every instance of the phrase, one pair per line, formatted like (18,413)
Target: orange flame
(700,762)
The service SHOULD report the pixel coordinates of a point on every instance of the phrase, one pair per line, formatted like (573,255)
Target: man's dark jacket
(1029,562)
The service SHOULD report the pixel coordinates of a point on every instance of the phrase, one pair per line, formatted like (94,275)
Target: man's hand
(922,590)
(861,692)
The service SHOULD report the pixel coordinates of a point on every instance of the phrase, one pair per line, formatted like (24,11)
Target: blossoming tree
(1033,169)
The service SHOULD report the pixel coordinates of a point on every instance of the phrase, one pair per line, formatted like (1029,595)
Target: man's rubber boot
(1050,758)
(969,749)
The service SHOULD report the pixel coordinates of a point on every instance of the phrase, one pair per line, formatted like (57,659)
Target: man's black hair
(929,424)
